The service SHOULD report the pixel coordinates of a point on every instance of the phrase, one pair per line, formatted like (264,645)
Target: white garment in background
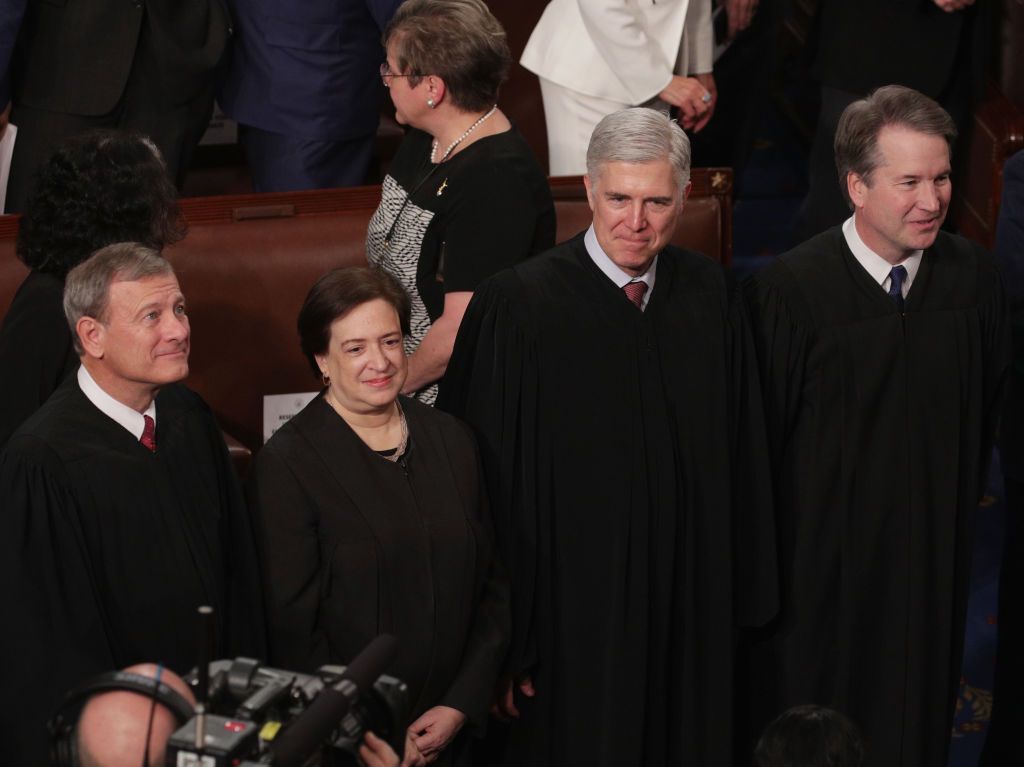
(611,53)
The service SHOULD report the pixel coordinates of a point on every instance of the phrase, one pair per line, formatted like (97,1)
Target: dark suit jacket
(307,69)
(11,13)
(863,44)
(1009,253)
(74,56)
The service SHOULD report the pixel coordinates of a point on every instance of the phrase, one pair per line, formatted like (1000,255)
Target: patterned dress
(445,228)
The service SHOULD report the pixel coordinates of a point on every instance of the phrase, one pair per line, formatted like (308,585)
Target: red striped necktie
(635,292)
(148,437)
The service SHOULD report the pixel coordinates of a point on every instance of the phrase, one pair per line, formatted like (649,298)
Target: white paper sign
(6,152)
(279,408)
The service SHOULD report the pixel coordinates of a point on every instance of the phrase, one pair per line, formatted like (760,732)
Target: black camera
(252,708)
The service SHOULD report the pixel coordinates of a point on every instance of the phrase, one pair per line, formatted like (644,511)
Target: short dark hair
(99,188)
(460,41)
(810,736)
(336,294)
(856,141)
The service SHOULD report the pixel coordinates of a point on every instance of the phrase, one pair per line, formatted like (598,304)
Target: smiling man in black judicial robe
(613,387)
(884,347)
(113,532)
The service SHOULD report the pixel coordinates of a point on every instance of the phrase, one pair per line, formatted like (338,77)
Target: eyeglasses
(386,74)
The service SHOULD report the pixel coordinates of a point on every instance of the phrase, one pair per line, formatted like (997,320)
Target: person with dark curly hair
(97,189)
(810,736)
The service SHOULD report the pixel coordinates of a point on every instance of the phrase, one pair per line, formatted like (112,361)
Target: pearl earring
(430,103)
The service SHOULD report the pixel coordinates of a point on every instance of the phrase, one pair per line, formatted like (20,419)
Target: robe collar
(613,272)
(130,419)
(874,264)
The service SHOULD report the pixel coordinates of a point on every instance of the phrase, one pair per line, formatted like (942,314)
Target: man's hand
(504,707)
(434,730)
(413,757)
(740,13)
(953,5)
(374,752)
(692,98)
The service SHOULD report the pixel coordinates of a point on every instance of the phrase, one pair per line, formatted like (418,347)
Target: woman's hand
(428,363)
(413,757)
(433,731)
(694,101)
(374,752)
(708,81)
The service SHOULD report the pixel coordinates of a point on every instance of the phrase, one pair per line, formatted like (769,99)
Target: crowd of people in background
(616,507)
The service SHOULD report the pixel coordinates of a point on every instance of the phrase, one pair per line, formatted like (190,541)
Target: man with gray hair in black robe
(119,510)
(612,384)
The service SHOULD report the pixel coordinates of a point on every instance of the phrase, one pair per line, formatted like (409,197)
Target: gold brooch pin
(440,189)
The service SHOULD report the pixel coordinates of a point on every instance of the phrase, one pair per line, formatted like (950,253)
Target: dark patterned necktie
(635,292)
(896,278)
(148,437)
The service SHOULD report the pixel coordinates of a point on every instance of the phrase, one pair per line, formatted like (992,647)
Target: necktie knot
(635,292)
(896,277)
(148,437)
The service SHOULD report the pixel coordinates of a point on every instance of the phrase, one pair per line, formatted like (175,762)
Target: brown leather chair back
(705,226)
(249,260)
(245,267)
(12,271)
(997,133)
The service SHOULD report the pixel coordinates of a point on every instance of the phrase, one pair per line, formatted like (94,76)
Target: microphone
(203,679)
(316,723)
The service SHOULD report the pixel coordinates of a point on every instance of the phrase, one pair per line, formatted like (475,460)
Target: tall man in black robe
(614,390)
(119,511)
(883,346)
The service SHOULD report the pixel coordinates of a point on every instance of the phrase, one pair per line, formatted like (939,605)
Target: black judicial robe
(36,352)
(107,549)
(626,463)
(353,545)
(880,428)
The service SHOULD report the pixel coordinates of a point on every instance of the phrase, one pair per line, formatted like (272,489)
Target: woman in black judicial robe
(100,188)
(371,518)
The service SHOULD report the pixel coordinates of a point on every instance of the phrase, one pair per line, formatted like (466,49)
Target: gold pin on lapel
(440,189)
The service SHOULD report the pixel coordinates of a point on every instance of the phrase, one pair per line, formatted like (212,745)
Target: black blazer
(74,56)
(862,43)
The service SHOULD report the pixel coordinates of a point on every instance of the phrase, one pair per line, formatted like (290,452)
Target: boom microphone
(317,722)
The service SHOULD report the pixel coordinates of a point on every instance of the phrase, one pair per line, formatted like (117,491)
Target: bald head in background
(111,731)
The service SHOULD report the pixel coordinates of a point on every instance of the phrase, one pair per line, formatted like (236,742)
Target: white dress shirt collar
(613,272)
(129,418)
(874,264)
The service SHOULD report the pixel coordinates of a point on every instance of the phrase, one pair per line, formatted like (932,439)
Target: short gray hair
(856,141)
(638,135)
(87,288)
(460,41)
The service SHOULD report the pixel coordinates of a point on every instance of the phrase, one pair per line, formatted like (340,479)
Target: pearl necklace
(460,139)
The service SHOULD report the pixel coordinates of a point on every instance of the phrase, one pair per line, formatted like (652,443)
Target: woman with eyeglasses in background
(464,196)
